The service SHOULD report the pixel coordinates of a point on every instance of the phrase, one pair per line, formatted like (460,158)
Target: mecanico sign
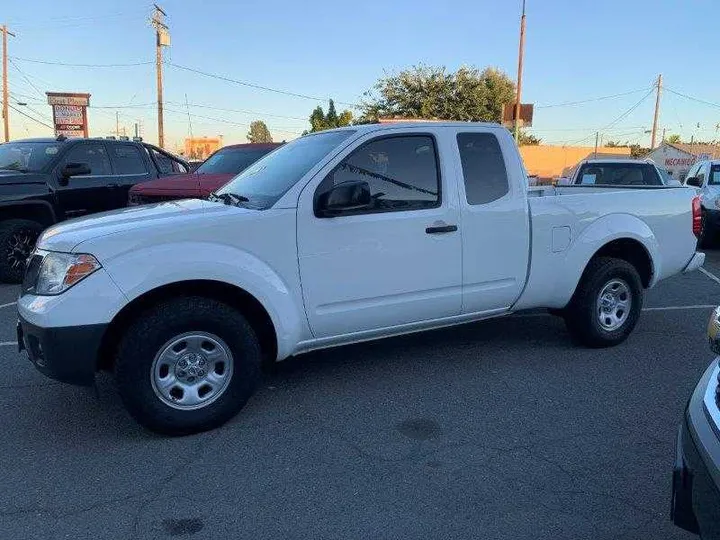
(69,113)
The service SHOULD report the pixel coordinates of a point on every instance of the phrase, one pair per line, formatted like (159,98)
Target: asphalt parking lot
(501,430)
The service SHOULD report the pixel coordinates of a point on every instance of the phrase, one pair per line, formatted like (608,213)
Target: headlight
(60,271)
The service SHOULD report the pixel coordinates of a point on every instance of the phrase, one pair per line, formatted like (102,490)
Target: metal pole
(597,137)
(160,25)
(521,53)
(117,123)
(158,67)
(5,96)
(657,112)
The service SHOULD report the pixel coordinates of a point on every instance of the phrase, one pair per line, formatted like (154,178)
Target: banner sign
(69,113)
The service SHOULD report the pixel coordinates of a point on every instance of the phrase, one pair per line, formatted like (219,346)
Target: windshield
(618,174)
(268,179)
(232,160)
(27,156)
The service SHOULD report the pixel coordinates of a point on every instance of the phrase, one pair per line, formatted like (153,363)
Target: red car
(215,172)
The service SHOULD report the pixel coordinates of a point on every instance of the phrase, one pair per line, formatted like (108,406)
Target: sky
(575,51)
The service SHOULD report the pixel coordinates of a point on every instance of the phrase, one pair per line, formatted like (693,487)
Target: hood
(184,185)
(135,220)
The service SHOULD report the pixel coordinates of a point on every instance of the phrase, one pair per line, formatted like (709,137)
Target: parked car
(43,181)
(621,172)
(338,237)
(705,177)
(215,171)
(696,475)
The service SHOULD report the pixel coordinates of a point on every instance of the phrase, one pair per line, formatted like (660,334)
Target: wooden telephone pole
(162,39)
(657,112)
(521,53)
(5,96)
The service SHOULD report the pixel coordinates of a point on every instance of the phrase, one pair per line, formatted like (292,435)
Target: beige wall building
(548,162)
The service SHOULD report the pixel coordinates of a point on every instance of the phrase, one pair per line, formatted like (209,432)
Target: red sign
(679,162)
(69,113)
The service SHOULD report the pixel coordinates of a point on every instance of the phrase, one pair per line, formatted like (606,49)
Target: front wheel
(17,240)
(607,303)
(187,365)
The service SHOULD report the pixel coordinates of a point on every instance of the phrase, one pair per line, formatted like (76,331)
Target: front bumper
(68,354)
(696,475)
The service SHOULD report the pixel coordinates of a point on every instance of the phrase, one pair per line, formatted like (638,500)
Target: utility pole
(136,130)
(521,53)
(663,139)
(5,96)
(162,39)
(117,123)
(657,112)
(597,136)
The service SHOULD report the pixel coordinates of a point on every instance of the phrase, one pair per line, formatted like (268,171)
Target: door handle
(441,229)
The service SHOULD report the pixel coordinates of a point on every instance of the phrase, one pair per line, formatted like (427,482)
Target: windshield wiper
(229,198)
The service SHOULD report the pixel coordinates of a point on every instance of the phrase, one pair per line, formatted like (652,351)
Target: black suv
(43,181)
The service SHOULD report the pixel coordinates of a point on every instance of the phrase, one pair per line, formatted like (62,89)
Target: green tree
(527,139)
(430,92)
(674,138)
(320,121)
(259,133)
(614,144)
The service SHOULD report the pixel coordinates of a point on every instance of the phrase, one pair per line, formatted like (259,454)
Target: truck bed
(566,223)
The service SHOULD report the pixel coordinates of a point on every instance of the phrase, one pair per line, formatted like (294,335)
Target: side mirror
(693,181)
(346,197)
(74,169)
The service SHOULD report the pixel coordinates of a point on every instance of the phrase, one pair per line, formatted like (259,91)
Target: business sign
(525,118)
(69,113)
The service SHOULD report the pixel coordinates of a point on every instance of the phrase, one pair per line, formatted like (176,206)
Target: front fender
(139,271)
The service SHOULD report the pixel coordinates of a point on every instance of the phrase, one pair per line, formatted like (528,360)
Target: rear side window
(127,160)
(483,167)
(618,174)
(91,154)
(714,179)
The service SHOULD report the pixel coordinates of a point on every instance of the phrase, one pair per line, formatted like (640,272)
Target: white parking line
(710,275)
(663,308)
(671,308)
(8,343)
(8,305)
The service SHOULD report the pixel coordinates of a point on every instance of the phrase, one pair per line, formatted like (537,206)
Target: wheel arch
(34,210)
(251,308)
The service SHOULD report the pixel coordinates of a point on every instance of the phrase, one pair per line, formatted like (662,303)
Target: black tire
(582,315)
(147,336)
(17,240)
(707,233)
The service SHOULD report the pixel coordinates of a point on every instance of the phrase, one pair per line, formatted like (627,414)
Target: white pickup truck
(338,237)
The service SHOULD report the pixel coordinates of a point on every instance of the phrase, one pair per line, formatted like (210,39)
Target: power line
(691,98)
(225,121)
(27,79)
(618,119)
(256,86)
(49,63)
(30,117)
(203,106)
(590,100)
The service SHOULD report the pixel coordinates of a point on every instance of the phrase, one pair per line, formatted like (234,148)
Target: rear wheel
(607,303)
(187,365)
(17,240)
